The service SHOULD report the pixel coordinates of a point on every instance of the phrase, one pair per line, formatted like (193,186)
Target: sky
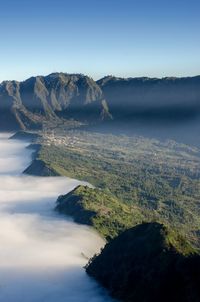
(126,38)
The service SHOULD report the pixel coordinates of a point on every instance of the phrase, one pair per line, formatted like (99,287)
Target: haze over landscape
(99,151)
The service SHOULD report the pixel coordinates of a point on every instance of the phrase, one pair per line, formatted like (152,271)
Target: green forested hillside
(150,263)
(161,179)
(100,209)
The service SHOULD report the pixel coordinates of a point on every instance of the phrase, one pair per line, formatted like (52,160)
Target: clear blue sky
(99,37)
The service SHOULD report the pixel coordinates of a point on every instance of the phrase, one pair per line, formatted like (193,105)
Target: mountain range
(27,104)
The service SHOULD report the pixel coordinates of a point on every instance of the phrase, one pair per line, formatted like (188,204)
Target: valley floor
(158,181)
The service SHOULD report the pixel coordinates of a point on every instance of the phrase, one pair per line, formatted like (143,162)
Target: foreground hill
(148,263)
(100,209)
(30,103)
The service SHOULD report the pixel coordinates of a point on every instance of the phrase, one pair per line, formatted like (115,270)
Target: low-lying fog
(42,254)
(183,131)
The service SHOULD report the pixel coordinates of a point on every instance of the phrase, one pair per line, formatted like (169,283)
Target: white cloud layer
(42,254)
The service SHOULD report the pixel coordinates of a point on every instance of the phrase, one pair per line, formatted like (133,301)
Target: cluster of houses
(49,138)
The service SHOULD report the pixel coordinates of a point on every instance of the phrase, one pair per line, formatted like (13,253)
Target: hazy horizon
(96,79)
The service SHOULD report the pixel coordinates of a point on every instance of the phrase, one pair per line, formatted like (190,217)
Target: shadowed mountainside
(28,104)
(148,263)
(60,95)
(149,98)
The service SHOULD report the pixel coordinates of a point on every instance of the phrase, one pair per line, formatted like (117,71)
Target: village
(52,138)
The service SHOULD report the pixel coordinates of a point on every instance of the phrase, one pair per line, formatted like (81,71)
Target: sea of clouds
(42,254)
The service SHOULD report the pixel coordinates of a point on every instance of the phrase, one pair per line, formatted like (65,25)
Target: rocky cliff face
(59,95)
(29,103)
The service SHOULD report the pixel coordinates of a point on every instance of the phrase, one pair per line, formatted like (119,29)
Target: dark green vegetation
(61,96)
(148,263)
(160,180)
(40,168)
(100,209)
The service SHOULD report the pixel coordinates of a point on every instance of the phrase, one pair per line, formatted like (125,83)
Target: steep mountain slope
(151,97)
(148,263)
(60,95)
(29,103)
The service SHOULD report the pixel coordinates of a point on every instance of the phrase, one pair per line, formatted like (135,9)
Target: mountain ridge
(28,104)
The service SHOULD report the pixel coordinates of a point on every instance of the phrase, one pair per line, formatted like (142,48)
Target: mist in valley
(42,254)
(184,130)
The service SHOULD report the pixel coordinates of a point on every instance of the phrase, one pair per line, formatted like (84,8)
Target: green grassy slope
(99,209)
